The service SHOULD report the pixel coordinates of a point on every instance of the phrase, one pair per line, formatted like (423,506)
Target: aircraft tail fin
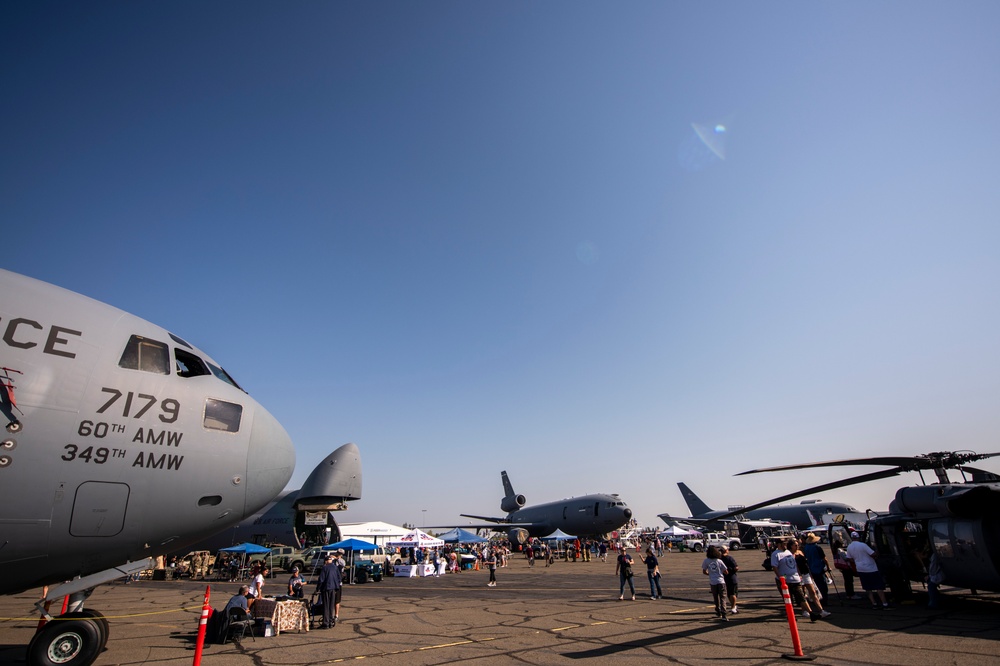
(696,506)
(508,490)
(511,501)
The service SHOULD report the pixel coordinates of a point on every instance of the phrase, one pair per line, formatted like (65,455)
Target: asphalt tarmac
(568,613)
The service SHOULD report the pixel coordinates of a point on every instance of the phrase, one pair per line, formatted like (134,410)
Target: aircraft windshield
(145,355)
(224,376)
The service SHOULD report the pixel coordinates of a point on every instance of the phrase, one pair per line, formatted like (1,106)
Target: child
(716,570)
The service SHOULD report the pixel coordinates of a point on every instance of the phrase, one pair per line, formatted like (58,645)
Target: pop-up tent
(674,530)
(558,535)
(458,535)
(244,550)
(350,546)
(415,539)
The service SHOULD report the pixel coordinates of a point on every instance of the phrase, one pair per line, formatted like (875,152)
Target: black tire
(697,548)
(75,642)
(361,576)
(735,545)
(103,625)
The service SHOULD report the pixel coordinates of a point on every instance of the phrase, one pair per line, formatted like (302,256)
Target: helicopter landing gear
(73,639)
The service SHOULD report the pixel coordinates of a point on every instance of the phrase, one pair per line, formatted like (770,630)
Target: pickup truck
(712,539)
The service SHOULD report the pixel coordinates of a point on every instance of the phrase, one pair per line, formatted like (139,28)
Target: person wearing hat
(295,584)
(871,578)
(329,586)
(818,566)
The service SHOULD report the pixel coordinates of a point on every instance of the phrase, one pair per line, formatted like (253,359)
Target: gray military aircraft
(587,516)
(302,514)
(802,516)
(122,442)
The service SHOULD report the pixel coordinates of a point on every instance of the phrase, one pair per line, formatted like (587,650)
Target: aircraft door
(99,509)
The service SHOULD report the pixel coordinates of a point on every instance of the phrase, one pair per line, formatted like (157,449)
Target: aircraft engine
(517,535)
(512,503)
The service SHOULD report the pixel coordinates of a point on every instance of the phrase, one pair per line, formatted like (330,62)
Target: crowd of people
(800,565)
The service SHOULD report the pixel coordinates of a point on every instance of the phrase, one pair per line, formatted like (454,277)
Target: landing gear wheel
(75,642)
(103,626)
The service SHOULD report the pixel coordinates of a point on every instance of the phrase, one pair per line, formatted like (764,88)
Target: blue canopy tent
(458,535)
(350,546)
(558,535)
(244,550)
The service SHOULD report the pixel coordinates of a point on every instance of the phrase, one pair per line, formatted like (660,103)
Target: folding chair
(239,620)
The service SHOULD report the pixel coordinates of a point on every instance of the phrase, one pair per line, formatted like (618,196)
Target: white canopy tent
(415,539)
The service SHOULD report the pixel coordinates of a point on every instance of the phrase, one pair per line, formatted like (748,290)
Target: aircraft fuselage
(122,441)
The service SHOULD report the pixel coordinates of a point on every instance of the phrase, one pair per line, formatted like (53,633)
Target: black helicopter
(958,521)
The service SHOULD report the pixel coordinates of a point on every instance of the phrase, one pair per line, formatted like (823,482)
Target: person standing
(846,568)
(871,578)
(818,565)
(330,587)
(653,573)
(623,569)
(731,580)
(491,564)
(716,569)
(784,565)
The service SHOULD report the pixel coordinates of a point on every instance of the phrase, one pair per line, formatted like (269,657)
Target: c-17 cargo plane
(335,481)
(587,516)
(122,442)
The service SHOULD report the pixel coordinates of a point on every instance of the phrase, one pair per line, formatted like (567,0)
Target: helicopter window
(189,365)
(224,376)
(222,415)
(940,538)
(146,355)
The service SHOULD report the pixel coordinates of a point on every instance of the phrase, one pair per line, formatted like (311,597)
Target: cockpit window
(180,341)
(222,415)
(224,376)
(189,365)
(145,355)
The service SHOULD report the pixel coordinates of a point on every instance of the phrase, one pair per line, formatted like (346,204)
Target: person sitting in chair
(295,584)
(239,600)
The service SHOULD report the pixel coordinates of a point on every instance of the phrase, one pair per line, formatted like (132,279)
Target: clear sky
(604,246)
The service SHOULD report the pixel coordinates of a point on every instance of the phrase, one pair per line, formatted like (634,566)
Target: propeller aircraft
(586,516)
(122,442)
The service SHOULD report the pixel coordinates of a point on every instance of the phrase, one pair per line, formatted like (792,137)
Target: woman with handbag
(623,568)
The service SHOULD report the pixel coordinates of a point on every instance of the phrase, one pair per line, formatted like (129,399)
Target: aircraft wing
(486,518)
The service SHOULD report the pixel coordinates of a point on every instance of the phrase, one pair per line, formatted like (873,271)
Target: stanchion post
(792,625)
(202,626)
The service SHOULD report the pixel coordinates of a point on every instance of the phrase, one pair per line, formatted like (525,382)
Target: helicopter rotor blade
(864,478)
(904,463)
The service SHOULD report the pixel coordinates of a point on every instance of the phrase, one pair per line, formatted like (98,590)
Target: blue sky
(480,236)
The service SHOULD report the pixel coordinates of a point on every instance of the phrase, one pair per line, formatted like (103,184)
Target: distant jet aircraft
(587,516)
(122,442)
(804,515)
(333,483)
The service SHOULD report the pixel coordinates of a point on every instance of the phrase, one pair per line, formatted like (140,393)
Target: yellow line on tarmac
(426,647)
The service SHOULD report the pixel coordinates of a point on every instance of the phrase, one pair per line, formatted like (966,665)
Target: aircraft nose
(270,461)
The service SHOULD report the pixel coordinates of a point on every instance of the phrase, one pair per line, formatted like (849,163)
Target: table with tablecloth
(288,615)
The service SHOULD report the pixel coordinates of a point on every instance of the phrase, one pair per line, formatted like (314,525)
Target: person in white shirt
(257,585)
(871,578)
